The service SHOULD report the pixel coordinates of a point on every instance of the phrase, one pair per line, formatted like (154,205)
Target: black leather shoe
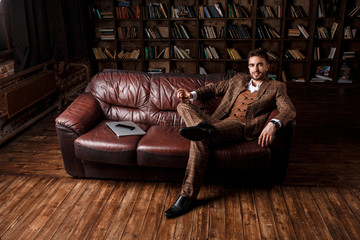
(199,132)
(180,207)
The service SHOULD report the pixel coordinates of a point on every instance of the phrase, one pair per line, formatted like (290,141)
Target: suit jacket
(271,95)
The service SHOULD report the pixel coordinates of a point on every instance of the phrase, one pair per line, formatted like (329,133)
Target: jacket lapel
(262,89)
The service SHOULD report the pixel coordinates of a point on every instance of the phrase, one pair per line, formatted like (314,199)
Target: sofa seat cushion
(163,146)
(101,145)
(244,155)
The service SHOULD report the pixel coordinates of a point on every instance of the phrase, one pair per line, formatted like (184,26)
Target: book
(332,53)
(333,29)
(283,76)
(322,74)
(354,11)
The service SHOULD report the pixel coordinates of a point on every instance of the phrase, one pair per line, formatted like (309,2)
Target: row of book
(126,12)
(179,31)
(152,52)
(297,12)
(154,32)
(348,55)
(208,52)
(272,55)
(267,12)
(210,32)
(108,54)
(127,32)
(96,13)
(129,54)
(298,31)
(323,33)
(266,32)
(294,54)
(234,54)
(328,8)
(107,33)
(237,11)
(155,11)
(239,32)
(158,10)
(103,53)
(180,53)
(317,53)
(349,33)
(182,12)
(211,11)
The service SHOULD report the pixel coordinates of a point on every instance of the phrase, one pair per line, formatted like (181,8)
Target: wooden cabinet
(301,36)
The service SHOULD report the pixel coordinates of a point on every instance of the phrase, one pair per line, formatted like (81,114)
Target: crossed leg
(230,129)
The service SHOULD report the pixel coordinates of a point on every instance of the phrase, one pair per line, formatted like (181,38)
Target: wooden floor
(320,198)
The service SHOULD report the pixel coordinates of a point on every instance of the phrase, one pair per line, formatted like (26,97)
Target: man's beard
(260,76)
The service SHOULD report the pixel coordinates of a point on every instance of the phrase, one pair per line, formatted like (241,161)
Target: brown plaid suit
(271,95)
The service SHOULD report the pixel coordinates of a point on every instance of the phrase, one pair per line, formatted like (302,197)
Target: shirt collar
(252,88)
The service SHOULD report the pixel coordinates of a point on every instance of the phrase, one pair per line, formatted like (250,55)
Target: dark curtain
(47,29)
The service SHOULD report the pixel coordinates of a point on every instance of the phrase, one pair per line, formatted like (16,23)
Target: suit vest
(238,111)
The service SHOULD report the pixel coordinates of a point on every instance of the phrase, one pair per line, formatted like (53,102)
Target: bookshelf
(302,36)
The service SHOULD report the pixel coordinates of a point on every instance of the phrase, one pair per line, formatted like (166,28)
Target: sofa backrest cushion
(122,95)
(163,100)
(148,98)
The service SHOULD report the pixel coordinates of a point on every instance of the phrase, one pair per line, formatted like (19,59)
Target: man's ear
(267,66)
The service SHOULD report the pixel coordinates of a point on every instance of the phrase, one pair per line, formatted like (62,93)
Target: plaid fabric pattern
(271,95)
(229,129)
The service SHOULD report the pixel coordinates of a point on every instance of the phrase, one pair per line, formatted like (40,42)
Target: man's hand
(183,94)
(267,135)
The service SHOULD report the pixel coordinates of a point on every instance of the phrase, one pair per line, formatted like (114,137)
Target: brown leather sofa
(91,150)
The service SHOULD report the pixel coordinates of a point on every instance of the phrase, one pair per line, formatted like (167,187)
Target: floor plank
(137,217)
(233,217)
(154,214)
(123,214)
(107,214)
(344,213)
(200,226)
(167,226)
(313,214)
(92,212)
(217,227)
(284,225)
(250,219)
(302,228)
(28,216)
(58,217)
(67,227)
(333,222)
(265,215)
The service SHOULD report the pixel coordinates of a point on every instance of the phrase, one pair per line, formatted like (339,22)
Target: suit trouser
(228,130)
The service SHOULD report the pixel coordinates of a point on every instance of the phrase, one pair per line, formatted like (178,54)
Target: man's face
(258,68)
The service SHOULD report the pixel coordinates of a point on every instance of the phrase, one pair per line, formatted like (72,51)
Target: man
(242,113)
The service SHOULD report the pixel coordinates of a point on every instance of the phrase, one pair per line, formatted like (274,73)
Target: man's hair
(259,52)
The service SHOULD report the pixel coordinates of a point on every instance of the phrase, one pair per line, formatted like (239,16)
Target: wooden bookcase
(303,69)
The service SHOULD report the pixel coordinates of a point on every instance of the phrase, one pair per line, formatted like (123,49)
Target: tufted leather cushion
(101,145)
(122,95)
(163,146)
(163,100)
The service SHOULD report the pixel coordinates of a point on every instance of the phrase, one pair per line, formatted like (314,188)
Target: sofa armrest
(81,115)
(280,152)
